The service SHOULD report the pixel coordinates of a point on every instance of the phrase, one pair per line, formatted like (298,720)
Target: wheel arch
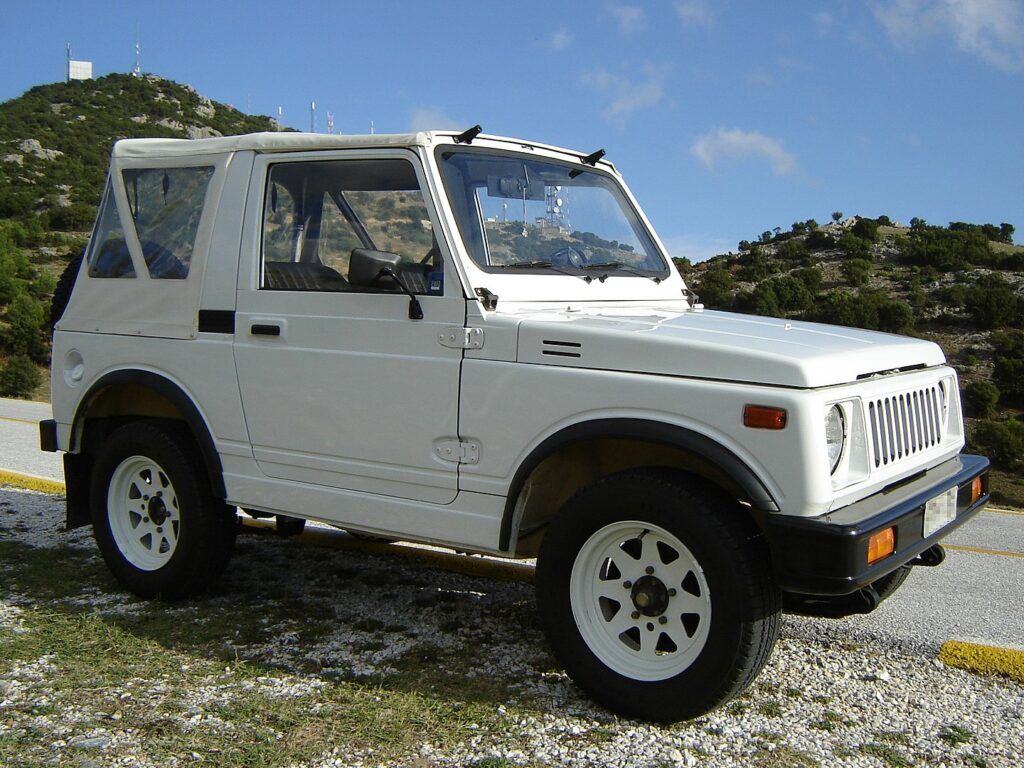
(580,453)
(145,394)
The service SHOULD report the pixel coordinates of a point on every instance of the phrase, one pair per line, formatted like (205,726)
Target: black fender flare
(637,429)
(179,399)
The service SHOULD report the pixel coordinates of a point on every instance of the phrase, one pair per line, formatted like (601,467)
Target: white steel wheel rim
(640,600)
(142,509)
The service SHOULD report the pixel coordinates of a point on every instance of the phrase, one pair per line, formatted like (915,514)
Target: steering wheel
(568,256)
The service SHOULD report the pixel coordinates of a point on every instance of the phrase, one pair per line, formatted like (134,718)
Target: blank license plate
(939,512)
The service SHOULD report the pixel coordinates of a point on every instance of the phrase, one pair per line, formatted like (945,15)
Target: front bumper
(828,555)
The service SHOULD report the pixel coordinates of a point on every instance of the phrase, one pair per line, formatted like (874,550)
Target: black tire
(289,526)
(62,293)
(840,606)
(159,528)
(721,647)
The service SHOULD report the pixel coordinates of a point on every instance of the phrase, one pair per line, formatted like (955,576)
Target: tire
(289,526)
(657,595)
(62,292)
(159,528)
(837,607)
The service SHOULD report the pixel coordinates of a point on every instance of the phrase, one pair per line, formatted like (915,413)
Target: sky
(727,117)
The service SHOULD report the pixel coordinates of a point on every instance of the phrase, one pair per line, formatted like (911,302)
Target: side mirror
(380,269)
(365,267)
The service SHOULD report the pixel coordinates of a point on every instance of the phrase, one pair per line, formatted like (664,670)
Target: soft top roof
(263,142)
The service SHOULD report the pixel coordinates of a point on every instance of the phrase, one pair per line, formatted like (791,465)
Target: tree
(856,272)
(1002,441)
(19,377)
(866,229)
(837,215)
(24,333)
(716,288)
(1006,233)
(981,398)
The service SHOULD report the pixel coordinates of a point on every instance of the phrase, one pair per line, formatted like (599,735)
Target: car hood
(714,345)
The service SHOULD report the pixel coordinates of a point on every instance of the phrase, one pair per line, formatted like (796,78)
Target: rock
(89,742)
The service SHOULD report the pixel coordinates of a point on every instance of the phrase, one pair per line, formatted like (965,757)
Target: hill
(55,139)
(961,286)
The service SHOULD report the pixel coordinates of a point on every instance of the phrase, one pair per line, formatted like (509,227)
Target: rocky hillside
(961,286)
(55,139)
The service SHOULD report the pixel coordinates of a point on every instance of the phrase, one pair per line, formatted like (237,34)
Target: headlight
(835,435)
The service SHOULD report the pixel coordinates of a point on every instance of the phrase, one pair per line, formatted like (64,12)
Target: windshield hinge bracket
(488,299)
(461,338)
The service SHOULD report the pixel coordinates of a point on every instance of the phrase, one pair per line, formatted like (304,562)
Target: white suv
(481,343)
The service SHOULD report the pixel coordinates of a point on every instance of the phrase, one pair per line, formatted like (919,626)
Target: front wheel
(656,595)
(156,523)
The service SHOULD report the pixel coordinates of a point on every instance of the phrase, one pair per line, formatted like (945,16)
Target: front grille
(906,423)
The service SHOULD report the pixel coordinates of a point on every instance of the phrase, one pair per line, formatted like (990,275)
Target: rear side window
(166,205)
(109,256)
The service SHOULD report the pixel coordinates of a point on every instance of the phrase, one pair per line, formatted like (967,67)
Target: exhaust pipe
(931,557)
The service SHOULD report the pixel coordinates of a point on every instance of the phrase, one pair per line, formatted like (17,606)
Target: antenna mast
(312,117)
(137,72)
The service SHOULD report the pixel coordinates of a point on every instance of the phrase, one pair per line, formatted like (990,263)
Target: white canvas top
(264,142)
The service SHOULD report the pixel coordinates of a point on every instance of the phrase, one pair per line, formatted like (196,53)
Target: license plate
(939,511)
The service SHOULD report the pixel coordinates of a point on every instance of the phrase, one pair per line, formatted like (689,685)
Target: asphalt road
(975,596)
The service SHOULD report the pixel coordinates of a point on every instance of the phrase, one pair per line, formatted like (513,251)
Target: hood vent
(552,348)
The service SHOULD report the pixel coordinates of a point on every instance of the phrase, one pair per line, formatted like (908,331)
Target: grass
(888,755)
(955,735)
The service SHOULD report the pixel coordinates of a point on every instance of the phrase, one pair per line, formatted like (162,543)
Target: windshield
(519,213)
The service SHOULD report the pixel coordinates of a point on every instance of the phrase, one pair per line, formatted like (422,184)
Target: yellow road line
(34,423)
(983,551)
(1004,511)
(983,659)
(31,482)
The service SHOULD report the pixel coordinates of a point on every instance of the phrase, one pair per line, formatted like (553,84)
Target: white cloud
(823,21)
(433,119)
(560,40)
(992,30)
(626,95)
(737,144)
(630,18)
(695,13)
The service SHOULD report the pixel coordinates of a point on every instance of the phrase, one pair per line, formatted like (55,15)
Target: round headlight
(835,435)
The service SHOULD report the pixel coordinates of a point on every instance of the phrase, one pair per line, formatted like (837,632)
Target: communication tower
(77,70)
(557,216)
(330,122)
(312,117)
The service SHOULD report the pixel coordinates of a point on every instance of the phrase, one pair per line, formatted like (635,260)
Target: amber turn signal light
(976,489)
(764,417)
(881,545)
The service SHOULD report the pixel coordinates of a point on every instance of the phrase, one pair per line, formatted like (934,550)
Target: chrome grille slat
(905,423)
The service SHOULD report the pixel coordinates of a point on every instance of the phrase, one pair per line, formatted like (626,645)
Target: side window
(108,254)
(166,205)
(320,216)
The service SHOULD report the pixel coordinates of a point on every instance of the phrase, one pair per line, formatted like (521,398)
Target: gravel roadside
(835,693)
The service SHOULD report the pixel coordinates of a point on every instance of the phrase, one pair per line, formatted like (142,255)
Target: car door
(340,387)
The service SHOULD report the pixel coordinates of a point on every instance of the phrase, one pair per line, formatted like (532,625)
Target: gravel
(833,694)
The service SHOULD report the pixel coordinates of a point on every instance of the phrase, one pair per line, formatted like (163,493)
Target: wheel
(656,595)
(159,529)
(289,526)
(837,607)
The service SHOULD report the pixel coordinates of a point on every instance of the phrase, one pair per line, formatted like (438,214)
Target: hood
(715,345)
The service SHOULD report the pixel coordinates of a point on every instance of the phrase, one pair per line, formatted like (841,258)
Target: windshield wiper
(538,265)
(618,266)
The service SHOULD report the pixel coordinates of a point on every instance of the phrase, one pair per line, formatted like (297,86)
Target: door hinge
(462,338)
(458,452)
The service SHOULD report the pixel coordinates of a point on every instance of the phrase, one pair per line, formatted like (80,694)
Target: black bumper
(828,555)
(48,435)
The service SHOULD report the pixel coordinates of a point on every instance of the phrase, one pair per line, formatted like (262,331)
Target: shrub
(1002,441)
(866,229)
(19,378)
(993,303)
(981,397)
(716,288)
(856,272)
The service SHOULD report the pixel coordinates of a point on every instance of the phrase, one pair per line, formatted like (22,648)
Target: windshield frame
(471,221)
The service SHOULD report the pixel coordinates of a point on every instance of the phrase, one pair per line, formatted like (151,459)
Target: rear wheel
(656,595)
(156,523)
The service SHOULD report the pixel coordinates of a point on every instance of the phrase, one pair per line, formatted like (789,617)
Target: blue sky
(728,117)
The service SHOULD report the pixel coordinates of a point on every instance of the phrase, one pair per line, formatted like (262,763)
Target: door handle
(260,329)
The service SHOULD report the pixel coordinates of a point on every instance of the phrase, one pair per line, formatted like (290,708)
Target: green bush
(993,303)
(715,288)
(24,334)
(1008,363)
(866,229)
(19,377)
(856,272)
(981,398)
(1001,441)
